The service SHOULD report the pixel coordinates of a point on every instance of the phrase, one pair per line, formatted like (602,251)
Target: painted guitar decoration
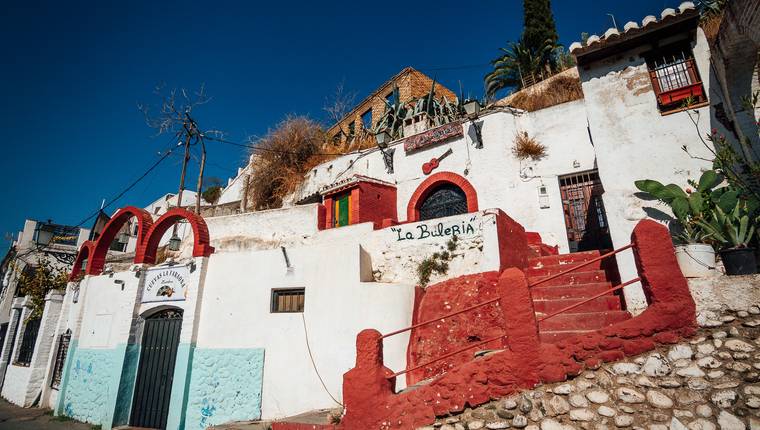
(434,162)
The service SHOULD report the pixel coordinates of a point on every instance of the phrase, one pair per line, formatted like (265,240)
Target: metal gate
(155,372)
(585,218)
(60,358)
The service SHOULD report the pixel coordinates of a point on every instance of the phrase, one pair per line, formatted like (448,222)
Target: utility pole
(188,136)
(200,177)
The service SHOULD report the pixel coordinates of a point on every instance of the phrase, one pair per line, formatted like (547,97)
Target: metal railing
(441,318)
(584,264)
(588,299)
(496,300)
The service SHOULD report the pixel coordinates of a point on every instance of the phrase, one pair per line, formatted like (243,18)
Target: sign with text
(460,227)
(431,137)
(166,284)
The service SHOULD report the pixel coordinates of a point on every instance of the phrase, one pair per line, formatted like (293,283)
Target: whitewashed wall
(501,180)
(634,141)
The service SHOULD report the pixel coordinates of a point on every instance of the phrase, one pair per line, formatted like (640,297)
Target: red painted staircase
(572,288)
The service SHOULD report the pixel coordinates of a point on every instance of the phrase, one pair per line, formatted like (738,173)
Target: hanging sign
(431,137)
(166,284)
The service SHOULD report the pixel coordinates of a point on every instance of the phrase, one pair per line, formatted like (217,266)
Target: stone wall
(709,382)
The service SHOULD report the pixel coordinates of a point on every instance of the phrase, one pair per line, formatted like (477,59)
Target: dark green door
(155,372)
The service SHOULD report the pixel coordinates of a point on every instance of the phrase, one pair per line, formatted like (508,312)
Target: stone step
(570,291)
(574,278)
(554,336)
(601,304)
(553,269)
(582,320)
(563,259)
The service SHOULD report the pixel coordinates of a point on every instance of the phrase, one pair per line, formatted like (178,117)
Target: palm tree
(516,63)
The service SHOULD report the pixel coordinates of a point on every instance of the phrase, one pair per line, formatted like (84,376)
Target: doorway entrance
(585,219)
(445,200)
(155,371)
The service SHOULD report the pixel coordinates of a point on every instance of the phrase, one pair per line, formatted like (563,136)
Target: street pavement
(15,418)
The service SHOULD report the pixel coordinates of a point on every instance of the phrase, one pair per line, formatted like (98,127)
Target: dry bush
(556,90)
(527,147)
(711,25)
(283,156)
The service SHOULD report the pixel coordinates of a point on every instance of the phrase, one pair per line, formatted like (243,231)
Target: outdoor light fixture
(174,242)
(472,109)
(383,139)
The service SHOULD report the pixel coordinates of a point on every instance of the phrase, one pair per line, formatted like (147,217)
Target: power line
(280,151)
(166,154)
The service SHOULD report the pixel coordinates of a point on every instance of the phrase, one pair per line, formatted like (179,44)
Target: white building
(257,315)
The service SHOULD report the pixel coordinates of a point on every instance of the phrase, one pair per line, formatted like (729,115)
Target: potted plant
(731,225)
(696,257)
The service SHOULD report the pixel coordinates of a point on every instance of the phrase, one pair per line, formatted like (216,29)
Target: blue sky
(73,73)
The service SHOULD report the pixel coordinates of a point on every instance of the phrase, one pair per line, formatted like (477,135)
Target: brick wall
(412,84)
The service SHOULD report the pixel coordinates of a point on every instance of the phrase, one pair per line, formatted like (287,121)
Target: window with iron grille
(27,342)
(60,358)
(446,200)
(288,300)
(675,78)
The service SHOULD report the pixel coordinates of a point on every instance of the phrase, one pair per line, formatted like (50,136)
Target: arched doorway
(155,371)
(445,200)
(442,194)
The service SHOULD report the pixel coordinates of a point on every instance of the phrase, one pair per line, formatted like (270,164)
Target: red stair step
(601,304)
(553,269)
(583,320)
(563,259)
(569,291)
(554,336)
(573,278)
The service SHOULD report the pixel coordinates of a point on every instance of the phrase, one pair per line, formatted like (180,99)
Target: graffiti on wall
(459,228)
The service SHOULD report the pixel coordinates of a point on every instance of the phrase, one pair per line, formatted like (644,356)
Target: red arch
(98,256)
(85,251)
(146,252)
(429,184)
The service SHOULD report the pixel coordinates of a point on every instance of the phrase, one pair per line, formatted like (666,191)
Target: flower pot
(739,261)
(696,260)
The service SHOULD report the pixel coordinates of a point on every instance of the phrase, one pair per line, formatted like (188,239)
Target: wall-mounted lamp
(576,164)
(174,242)
(383,139)
(472,109)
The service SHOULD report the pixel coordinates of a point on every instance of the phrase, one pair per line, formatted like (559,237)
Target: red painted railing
(443,317)
(584,264)
(589,299)
(496,300)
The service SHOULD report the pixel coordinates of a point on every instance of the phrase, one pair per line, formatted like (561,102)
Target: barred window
(27,342)
(60,358)
(288,300)
(675,78)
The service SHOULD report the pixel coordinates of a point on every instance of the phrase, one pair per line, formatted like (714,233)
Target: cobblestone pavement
(709,382)
(15,418)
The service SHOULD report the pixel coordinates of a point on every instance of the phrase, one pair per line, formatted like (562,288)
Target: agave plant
(392,120)
(732,228)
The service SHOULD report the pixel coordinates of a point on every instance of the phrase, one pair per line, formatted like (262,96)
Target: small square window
(287,300)
(675,78)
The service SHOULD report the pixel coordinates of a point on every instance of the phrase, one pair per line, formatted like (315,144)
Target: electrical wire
(313,364)
(39,247)
(281,151)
